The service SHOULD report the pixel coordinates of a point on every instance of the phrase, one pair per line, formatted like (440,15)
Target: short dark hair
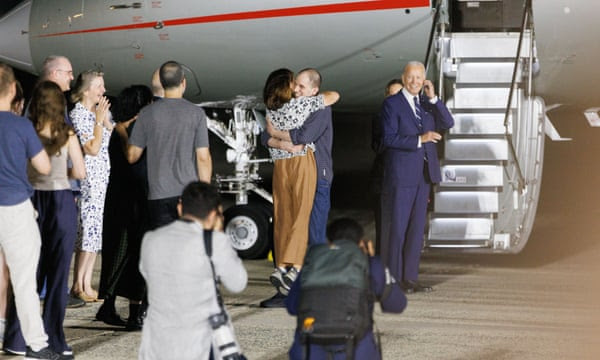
(171,74)
(345,229)
(277,90)
(131,100)
(199,199)
(7,78)
(390,83)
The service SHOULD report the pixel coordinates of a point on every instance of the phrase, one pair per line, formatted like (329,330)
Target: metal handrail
(436,17)
(527,15)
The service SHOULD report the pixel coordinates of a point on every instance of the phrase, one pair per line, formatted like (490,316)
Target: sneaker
(13,352)
(276,301)
(45,354)
(66,355)
(277,279)
(290,277)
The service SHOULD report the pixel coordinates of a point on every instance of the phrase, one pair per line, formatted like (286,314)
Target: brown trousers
(294,186)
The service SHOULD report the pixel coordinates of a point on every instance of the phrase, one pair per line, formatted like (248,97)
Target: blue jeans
(319,214)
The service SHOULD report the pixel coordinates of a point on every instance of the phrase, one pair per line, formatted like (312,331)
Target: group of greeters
(119,197)
(165,198)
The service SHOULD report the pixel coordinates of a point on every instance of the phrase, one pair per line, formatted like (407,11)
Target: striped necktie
(418,111)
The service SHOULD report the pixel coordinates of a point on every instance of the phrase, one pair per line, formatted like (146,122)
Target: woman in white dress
(93,124)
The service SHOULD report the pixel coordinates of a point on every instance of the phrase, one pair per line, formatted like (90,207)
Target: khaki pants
(294,185)
(20,240)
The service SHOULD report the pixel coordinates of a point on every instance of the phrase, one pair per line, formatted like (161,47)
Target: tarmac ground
(539,304)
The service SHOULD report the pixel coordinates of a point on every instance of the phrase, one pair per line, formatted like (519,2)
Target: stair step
(460,228)
(476,149)
(472,175)
(486,72)
(466,202)
(488,45)
(483,98)
(480,123)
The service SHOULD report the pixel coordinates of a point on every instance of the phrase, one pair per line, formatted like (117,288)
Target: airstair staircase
(491,167)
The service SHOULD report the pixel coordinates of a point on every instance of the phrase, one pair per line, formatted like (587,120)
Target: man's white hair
(51,63)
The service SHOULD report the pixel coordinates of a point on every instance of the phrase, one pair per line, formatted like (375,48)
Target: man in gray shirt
(174,133)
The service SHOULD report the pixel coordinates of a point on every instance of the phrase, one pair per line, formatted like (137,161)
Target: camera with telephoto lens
(225,346)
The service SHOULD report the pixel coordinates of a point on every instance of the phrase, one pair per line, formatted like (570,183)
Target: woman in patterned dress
(93,125)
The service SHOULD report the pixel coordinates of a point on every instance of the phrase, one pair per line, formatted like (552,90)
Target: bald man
(157,89)
(410,129)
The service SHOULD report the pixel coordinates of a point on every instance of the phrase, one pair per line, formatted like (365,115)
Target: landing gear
(250,229)
(238,123)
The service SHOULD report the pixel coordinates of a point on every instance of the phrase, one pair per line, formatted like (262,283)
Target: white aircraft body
(485,203)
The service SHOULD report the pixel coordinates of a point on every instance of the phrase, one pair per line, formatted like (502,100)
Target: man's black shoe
(109,316)
(277,301)
(74,302)
(135,322)
(45,354)
(411,286)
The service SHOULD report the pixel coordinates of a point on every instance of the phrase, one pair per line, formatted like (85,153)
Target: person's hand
(428,89)
(270,127)
(290,147)
(128,123)
(366,245)
(102,112)
(219,220)
(430,136)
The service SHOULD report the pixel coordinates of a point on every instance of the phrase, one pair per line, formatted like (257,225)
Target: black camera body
(225,346)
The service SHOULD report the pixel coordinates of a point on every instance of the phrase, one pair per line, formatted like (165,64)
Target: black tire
(248,229)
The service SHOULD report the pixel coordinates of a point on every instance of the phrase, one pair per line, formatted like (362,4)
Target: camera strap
(208,248)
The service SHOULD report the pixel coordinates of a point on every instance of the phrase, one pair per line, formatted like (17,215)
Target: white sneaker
(277,279)
(290,277)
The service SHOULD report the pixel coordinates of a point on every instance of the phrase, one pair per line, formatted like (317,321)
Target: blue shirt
(18,143)
(318,129)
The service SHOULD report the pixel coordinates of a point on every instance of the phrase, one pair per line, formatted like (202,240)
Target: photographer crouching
(182,266)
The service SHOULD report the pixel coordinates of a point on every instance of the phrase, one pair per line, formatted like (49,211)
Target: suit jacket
(403,160)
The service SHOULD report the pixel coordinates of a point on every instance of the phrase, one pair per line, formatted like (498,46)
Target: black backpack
(334,296)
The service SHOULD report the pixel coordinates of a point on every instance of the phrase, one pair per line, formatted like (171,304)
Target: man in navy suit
(411,123)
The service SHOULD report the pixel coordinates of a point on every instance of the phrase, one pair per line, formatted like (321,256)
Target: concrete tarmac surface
(539,304)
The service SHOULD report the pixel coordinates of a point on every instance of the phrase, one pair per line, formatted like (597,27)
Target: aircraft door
(488,15)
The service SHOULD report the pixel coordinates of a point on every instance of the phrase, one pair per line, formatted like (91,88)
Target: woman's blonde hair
(83,83)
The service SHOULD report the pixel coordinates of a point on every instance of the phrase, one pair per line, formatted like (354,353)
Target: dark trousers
(403,216)
(319,214)
(57,219)
(162,212)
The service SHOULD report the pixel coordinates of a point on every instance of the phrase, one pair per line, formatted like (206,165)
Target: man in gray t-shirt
(174,133)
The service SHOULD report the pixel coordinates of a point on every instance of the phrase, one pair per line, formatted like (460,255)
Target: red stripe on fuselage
(261,14)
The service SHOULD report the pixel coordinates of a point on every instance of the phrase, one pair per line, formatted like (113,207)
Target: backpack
(334,295)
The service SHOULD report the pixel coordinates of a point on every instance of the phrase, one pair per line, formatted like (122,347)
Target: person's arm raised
(330,97)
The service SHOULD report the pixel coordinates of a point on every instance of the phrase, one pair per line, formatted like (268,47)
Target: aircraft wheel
(248,229)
